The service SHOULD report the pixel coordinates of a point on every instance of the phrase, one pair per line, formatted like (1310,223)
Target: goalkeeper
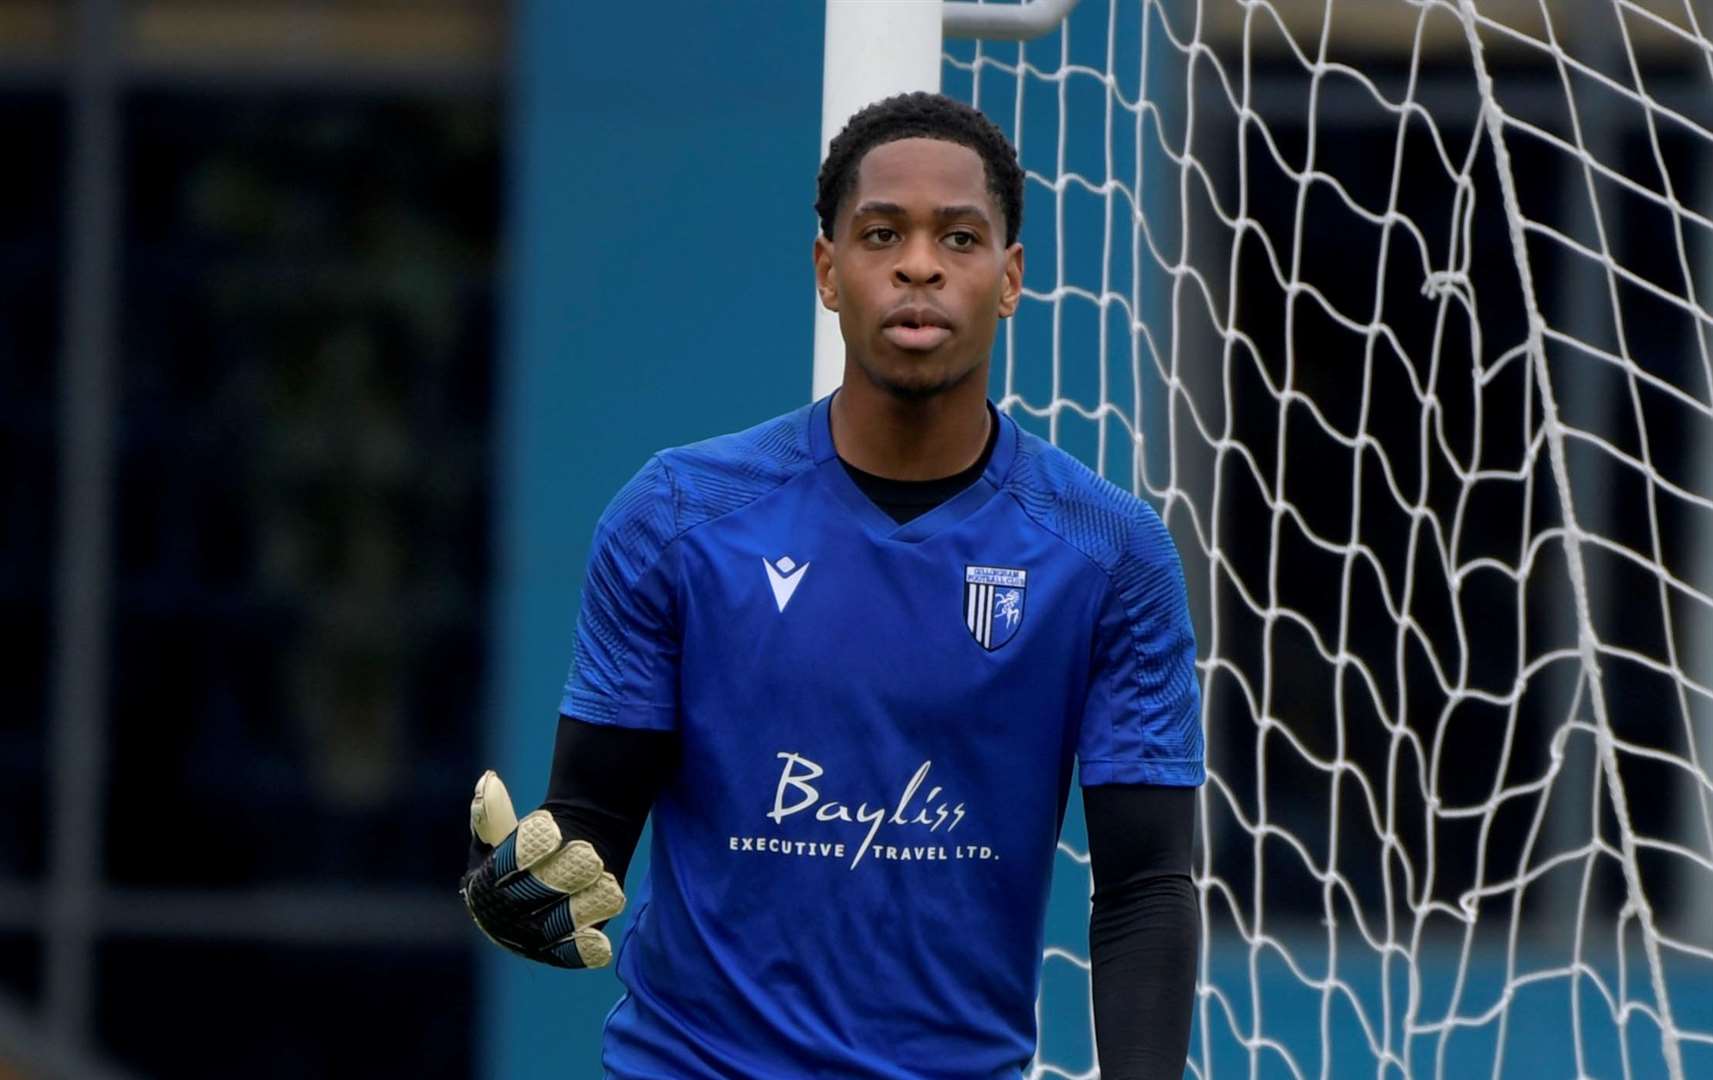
(851,660)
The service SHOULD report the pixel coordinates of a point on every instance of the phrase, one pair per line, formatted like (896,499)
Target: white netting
(1399,312)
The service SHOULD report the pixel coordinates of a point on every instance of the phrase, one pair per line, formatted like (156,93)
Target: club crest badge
(993,603)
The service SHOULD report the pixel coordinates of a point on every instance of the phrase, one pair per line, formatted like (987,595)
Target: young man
(847,658)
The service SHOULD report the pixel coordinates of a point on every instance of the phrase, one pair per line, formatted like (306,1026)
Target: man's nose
(919,264)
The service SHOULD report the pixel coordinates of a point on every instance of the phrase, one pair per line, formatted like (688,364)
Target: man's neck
(910,438)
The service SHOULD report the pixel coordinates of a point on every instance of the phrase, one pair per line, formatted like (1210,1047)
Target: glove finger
(586,948)
(491,815)
(491,818)
(572,868)
(585,909)
(598,902)
(534,839)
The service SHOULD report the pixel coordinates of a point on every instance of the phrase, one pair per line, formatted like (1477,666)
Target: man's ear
(1012,291)
(826,278)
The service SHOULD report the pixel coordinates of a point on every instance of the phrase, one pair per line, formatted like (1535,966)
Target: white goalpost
(1401,313)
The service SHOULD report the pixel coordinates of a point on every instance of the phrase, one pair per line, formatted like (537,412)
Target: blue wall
(660,291)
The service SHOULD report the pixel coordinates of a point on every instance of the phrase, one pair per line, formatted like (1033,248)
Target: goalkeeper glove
(532,892)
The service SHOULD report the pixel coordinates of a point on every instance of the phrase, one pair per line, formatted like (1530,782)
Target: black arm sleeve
(604,781)
(1144,931)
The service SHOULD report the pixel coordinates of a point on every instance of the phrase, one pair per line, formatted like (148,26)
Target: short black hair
(921,115)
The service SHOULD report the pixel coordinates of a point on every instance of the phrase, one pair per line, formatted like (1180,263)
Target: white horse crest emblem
(993,603)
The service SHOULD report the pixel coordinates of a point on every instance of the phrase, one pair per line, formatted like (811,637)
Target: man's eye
(882,235)
(961,239)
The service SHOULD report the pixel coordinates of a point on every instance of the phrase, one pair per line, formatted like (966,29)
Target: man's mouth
(916,338)
(916,329)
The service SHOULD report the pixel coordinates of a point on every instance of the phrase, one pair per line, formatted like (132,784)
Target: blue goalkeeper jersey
(850,866)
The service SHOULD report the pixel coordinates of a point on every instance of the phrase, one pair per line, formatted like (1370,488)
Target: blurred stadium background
(326,330)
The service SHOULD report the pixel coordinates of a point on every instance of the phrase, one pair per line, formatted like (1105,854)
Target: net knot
(1442,283)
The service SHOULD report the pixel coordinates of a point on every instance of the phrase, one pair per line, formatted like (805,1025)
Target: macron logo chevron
(784,576)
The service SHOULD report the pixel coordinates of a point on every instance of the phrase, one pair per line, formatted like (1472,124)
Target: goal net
(1401,312)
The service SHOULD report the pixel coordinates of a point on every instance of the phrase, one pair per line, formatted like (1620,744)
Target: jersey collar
(872,517)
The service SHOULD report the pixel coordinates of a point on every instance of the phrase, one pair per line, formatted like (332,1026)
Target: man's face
(917,268)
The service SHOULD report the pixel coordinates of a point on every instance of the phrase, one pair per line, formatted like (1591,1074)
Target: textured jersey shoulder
(1116,530)
(680,488)
(625,636)
(716,476)
(1144,726)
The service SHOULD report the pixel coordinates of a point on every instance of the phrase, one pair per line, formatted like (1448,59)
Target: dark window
(20,965)
(302,513)
(32,226)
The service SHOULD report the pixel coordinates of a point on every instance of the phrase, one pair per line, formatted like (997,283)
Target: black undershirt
(906,500)
(1143,924)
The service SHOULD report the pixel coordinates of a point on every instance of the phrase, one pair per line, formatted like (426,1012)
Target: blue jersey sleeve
(1142,721)
(625,668)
